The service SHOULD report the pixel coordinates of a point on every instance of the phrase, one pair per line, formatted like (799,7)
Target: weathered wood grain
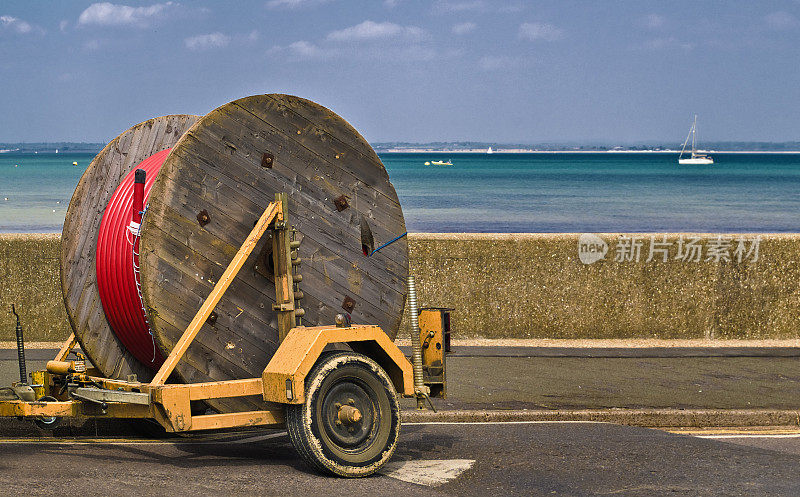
(79,238)
(216,166)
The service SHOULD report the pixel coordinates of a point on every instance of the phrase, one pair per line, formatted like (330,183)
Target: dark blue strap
(389,243)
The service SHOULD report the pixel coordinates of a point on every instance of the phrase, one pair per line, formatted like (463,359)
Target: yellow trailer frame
(282,382)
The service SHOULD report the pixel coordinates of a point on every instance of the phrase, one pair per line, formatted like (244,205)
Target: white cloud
(303,50)
(401,53)
(534,31)
(62,26)
(205,42)
(464,28)
(109,14)
(653,21)
(780,20)
(292,4)
(369,30)
(15,25)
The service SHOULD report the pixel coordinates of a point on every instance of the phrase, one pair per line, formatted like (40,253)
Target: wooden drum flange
(79,239)
(216,182)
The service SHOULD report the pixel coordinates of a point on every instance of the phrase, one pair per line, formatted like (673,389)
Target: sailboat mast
(694,133)
(683,149)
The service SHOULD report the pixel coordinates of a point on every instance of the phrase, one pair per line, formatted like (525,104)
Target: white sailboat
(489,150)
(695,159)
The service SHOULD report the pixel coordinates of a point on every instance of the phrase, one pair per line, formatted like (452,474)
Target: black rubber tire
(50,423)
(322,445)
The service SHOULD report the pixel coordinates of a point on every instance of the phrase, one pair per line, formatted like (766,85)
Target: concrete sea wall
(533,285)
(29,278)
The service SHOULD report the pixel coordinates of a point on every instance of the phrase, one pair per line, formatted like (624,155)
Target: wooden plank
(196,271)
(222,285)
(308,186)
(334,171)
(340,239)
(380,278)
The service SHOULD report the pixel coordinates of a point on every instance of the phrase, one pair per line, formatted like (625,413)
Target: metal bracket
(101,395)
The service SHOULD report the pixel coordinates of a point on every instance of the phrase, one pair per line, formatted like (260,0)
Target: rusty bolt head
(212,318)
(203,218)
(348,304)
(341,203)
(267,160)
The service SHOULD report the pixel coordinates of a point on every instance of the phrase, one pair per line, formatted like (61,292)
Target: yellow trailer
(340,407)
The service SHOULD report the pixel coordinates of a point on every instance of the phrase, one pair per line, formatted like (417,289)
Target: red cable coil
(117,247)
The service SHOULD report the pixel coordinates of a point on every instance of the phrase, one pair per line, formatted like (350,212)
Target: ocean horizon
(539,192)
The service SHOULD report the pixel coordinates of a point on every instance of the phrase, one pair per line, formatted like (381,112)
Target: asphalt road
(595,378)
(432,459)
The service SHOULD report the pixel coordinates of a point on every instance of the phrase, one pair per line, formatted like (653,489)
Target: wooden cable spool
(222,171)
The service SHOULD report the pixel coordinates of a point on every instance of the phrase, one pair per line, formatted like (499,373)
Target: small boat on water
(695,159)
(441,163)
(489,150)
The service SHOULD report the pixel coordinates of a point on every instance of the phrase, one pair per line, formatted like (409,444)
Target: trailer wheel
(350,421)
(48,422)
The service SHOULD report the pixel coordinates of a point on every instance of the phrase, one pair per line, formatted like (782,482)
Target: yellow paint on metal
(238,419)
(61,367)
(303,345)
(40,378)
(67,347)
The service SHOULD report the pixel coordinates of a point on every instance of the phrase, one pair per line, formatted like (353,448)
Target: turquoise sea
(542,192)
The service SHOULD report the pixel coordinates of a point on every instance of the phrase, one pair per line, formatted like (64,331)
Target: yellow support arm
(303,345)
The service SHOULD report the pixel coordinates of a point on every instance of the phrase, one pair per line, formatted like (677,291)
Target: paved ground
(468,459)
(592,378)
(432,459)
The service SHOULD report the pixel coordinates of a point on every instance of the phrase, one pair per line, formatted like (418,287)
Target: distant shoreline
(530,151)
(476,151)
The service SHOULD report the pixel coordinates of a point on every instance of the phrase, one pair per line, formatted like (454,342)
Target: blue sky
(414,70)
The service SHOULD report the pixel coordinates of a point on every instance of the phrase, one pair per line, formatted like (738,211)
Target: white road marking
(744,435)
(500,422)
(427,472)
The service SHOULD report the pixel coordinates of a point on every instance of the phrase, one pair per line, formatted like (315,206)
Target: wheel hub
(349,415)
